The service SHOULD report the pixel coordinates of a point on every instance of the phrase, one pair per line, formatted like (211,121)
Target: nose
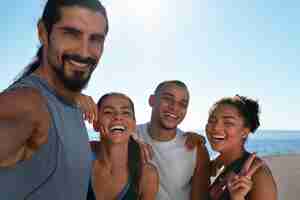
(117,116)
(174,105)
(84,48)
(171,105)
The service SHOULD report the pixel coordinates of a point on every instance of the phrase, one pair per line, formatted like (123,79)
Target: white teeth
(117,128)
(171,115)
(78,64)
(219,137)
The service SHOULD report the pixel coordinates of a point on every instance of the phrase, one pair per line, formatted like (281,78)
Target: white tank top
(175,165)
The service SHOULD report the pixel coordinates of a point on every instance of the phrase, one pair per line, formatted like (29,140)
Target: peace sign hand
(241,184)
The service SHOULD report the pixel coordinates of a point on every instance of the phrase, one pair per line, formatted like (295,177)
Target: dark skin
(200,187)
(226,131)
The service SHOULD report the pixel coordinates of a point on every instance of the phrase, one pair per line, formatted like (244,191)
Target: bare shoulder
(263,170)
(24,122)
(27,103)
(264,185)
(24,94)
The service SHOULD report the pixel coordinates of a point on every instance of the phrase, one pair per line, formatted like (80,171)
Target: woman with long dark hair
(118,172)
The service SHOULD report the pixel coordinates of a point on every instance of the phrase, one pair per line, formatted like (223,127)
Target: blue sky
(218,48)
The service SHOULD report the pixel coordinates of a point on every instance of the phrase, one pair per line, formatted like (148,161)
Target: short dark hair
(51,15)
(163,84)
(248,108)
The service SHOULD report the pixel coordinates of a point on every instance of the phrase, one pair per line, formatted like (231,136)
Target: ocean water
(275,142)
(271,142)
(263,142)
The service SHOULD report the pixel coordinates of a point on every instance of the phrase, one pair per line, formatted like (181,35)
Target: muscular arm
(200,179)
(23,118)
(149,182)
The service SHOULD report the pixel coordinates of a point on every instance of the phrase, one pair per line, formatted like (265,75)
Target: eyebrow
(167,93)
(99,36)
(111,107)
(171,95)
(228,117)
(126,107)
(69,28)
(73,29)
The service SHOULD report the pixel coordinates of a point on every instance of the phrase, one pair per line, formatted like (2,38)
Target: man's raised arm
(24,124)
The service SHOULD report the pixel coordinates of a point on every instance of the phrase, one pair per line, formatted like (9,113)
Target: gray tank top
(61,168)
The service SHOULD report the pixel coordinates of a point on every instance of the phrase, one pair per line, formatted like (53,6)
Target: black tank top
(235,167)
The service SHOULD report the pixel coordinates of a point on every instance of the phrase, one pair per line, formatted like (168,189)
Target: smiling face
(225,129)
(116,118)
(169,106)
(74,45)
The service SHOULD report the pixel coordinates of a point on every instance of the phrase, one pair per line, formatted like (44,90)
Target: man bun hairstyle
(252,112)
(51,13)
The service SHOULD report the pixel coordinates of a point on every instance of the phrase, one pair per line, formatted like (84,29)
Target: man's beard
(79,80)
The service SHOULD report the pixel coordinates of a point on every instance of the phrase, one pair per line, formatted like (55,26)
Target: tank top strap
(124,191)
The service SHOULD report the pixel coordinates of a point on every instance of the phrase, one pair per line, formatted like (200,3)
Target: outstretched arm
(24,123)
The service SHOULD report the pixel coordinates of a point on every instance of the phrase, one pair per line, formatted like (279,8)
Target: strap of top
(124,191)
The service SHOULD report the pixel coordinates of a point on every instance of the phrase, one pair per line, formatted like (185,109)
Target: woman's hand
(241,184)
(146,149)
(193,139)
(239,187)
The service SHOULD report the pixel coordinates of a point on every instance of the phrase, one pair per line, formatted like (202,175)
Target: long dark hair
(134,151)
(134,164)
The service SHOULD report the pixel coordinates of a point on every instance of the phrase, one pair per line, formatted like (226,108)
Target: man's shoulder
(23,101)
(26,96)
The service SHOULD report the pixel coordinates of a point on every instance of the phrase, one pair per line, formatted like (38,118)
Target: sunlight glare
(144,12)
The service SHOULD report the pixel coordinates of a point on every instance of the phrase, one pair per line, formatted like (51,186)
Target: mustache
(78,58)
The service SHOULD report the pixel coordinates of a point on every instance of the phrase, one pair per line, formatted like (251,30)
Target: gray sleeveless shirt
(60,169)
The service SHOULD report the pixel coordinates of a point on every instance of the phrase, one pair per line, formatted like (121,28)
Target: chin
(169,127)
(166,124)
